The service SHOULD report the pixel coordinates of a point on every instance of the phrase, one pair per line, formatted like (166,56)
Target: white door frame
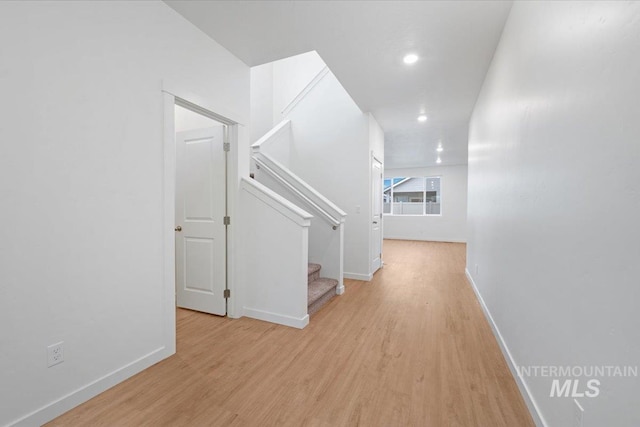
(170,100)
(372,159)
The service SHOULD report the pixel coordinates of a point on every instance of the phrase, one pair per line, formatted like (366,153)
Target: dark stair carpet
(321,289)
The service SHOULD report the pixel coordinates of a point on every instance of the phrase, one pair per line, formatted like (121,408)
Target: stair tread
(312,268)
(319,287)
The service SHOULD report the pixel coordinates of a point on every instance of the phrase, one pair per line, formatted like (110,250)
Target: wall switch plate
(55,354)
(578,413)
(476,268)
(357,209)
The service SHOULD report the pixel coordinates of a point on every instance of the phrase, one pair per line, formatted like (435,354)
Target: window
(412,196)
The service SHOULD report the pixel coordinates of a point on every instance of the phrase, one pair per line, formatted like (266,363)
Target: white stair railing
(326,244)
(329,212)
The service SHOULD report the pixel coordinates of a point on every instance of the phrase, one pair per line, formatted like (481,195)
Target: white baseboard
(358,276)
(444,240)
(58,407)
(534,410)
(280,319)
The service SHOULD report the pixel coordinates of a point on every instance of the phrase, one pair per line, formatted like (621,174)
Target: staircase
(315,231)
(321,289)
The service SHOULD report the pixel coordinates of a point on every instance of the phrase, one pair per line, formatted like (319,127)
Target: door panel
(198,252)
(199,179)
(376,210)
(200,211)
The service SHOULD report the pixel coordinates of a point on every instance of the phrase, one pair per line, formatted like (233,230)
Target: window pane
(386,196)
(412,196)
(408,196)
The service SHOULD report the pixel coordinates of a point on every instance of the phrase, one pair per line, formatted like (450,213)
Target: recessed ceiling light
(439,160)
(439,149)
(422,118)
(410,58)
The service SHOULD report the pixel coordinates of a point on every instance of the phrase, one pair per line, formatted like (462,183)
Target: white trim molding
(534,410)
(203,106)
(358,276)
(58,407)
(443,240)
(168,222)
(280,319)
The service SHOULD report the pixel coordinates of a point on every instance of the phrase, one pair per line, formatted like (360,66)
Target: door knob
(178,228)
(375,222)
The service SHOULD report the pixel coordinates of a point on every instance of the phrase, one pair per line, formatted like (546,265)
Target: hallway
(410,348)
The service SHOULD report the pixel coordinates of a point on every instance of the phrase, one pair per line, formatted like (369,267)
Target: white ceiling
(363,43)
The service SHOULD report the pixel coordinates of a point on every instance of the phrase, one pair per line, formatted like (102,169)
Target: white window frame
(424,197)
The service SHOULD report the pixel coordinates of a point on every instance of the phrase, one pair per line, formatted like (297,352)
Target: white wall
(331,144)
(276,257)
(81,178)
(330,151)
(451,226)
(275,85)
(261,101)
(290,76)
(376,138)
(554,198)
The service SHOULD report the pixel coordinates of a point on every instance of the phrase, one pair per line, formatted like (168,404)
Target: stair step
(320,292)
(313,272)
(313,268)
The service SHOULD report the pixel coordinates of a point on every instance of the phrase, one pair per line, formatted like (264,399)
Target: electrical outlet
(578,412)
(55,354)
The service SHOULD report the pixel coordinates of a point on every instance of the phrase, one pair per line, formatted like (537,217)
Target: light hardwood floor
(410,348)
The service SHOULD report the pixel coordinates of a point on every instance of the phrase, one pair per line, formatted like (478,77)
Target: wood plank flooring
(409,348)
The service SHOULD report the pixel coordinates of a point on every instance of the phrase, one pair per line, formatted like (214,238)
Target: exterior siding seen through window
(412,196)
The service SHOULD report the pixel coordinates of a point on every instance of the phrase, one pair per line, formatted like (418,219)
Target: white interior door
(200,230)
(376,210)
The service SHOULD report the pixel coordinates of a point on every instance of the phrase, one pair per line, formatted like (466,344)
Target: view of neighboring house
(412,196)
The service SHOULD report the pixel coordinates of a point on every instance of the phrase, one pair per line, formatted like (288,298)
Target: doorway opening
(201,212)
(200,247)
(376,211)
